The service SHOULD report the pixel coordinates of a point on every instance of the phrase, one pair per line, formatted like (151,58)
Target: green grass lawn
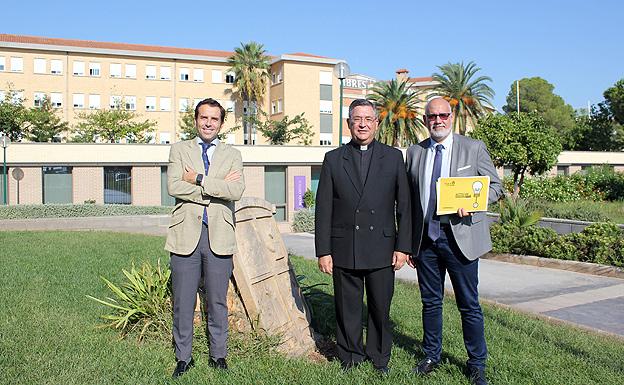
(48,332)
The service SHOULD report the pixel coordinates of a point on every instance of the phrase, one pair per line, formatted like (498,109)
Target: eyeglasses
(367,119)
(443,116)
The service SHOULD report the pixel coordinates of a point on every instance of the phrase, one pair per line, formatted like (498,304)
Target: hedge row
(83,210)
(599,243)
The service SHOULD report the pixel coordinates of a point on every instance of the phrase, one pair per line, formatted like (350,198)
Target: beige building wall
(254,181)
(30,187)
(88,184)
(146,186)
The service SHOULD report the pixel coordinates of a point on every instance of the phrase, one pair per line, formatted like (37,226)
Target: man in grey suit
(201,235)
(450,243)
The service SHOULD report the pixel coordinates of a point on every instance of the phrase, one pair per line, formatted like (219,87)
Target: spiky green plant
(399,120)
(142,303)
(517,212)
(467,94)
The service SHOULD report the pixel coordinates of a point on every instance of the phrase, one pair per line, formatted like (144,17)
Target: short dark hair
(361,102)
(212,103)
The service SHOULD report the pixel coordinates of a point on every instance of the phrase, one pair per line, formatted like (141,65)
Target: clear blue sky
(575,45)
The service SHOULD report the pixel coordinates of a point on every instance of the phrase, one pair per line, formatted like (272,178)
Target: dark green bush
(303,221)
(85,210)
(308,199)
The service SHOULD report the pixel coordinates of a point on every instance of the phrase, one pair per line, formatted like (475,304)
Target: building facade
(160,82)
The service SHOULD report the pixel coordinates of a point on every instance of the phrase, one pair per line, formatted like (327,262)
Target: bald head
(438,118)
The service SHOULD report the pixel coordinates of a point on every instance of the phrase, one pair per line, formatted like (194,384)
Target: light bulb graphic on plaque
(476,189)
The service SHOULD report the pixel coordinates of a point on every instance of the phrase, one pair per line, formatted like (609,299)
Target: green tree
(467,93)
(399,120)
(521,141)
(614,100)
(112,125)
(250,65)
(43,123)
(536,95)
(283,131)
(187,123)
(13,115)
(599,132)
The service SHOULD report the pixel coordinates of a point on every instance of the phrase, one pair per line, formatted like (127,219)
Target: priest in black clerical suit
(362,235)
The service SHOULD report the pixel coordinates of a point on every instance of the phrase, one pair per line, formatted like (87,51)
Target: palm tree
(250,65)
(467,95)
(399,123)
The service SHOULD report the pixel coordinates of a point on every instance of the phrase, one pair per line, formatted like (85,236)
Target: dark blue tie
(205,147)
(434,220)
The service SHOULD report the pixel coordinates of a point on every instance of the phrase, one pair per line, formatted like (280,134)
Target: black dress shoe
(182,367)
(477,376)
(219,363)
(426,366)
(383,370)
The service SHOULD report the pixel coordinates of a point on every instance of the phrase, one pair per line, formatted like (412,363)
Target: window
(198,75)
(326,92)
(150,103)
(165,104)
(94,69)
(229,77)
(2,63)
(507,171)
(57,184)
(78,100)
(276,106)
(17,64)
(39,66)
(56,99)
(325,77)
(165,73)
(18,97)
(150,72)
(118,185)
(2,95)
(326,123)
(115,70)
(115,102)
(326,106)
(131,71)
(79,68)
(563,170)
(326,139)
(94,102)
(230,105)
(184,102)
(130,103)
(165,138)
(196,102)
(165,198)
(217,76)
(275,189)
(276,76)
(56,67)
(184,74)
(38,99)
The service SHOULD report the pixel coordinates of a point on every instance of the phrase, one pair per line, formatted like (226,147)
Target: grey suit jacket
(469,157)
(215,194)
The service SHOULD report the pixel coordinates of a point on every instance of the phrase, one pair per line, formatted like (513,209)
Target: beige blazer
(215,194)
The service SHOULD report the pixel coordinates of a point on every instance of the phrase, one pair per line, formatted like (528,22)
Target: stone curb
(561,264)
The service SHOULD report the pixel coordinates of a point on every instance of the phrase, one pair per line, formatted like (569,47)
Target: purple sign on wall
(300,189)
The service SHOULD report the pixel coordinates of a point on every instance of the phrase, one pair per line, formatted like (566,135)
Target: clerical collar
(362,147)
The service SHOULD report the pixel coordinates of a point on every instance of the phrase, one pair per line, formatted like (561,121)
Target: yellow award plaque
(471,193)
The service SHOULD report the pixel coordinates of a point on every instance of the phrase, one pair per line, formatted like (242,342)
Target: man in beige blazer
(205,176)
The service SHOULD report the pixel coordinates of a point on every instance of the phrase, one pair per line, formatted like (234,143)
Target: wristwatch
(198,179)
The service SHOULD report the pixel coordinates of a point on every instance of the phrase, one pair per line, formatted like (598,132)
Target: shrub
(303,221)
(143,303)
(308,198)
(581,210)
(510,238)
(80,210)
(516,211)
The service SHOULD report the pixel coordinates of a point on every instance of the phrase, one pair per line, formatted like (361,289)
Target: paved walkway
(589,301)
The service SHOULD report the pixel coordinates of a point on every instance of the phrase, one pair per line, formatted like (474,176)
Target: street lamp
(341,70)
(5,141)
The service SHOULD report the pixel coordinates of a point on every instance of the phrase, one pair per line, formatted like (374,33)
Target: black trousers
(348,297)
